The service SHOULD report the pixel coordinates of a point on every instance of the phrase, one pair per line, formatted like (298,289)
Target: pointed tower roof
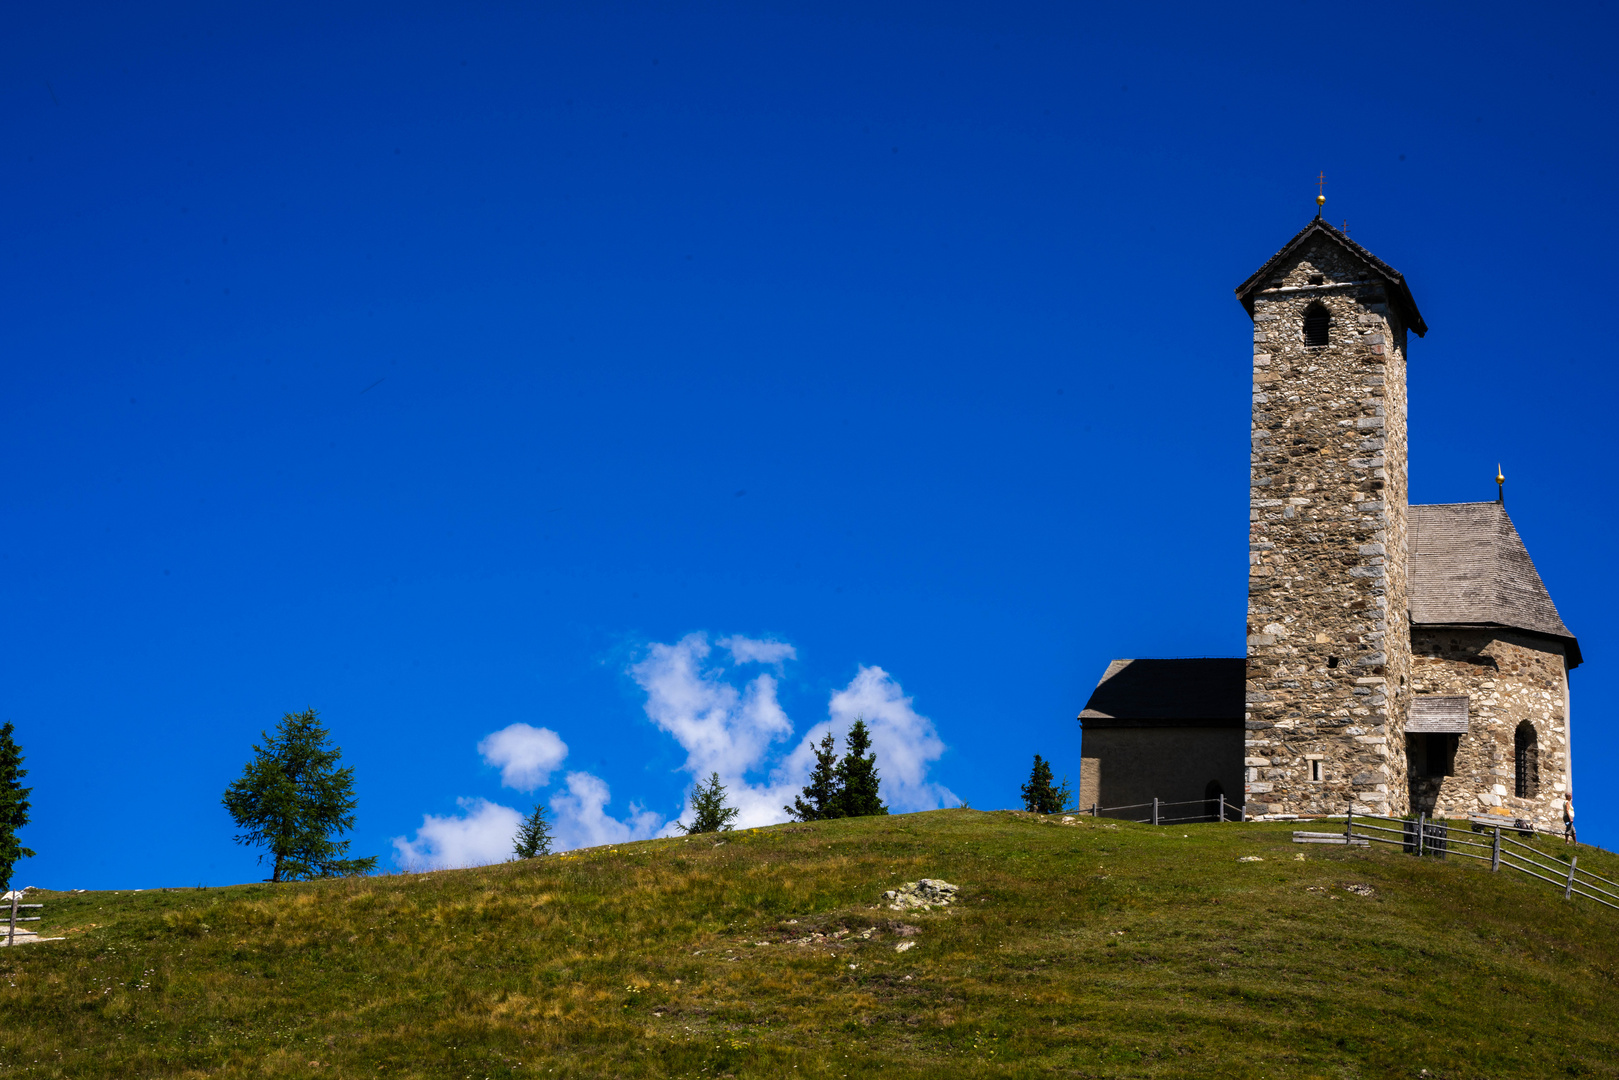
(1399,292)
(1469,568)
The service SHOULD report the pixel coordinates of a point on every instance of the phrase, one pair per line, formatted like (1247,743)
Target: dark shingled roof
(1199,692)
(1399,292)
(1469,568)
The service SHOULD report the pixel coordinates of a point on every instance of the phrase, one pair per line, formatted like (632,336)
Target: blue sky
(449,367)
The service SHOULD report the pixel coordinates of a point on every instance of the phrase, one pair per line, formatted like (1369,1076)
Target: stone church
(1401,657)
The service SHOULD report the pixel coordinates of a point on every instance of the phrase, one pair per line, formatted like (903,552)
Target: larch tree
(533,835)
(711,813)
(294,801)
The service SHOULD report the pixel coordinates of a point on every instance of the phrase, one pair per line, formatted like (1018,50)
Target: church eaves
(1399,293)
(1469,567)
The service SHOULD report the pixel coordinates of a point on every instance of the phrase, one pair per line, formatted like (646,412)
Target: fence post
(1568,890)
(1349,821)
(1422,830)
(1495,850)
(11,935)
(1242,812)
(1093,809)
(1222,808)
(1155,809)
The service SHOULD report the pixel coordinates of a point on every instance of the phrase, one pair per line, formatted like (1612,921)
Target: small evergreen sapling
(1040,795)
(712,815)
(293,800)
(13,805)
(858,781)
(820,801)
(533,835)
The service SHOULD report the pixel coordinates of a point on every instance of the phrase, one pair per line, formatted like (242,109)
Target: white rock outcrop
(921,895)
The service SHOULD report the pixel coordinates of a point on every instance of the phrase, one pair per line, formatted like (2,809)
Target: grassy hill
(1091,949)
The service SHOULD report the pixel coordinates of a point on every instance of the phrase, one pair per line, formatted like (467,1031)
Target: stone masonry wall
(1328,633)
(1509,677)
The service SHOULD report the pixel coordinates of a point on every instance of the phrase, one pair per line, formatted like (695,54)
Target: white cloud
(526,756)
(745,650)
(579,816)
(732,732)
(904,741)
(725,728)
(481,834)
(722,729)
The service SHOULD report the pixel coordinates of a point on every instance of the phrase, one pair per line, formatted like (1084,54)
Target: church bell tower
(1329,638)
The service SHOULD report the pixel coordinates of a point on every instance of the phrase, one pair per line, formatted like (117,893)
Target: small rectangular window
(1315,769)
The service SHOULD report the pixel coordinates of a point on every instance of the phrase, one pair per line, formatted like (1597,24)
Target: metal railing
(1424,837)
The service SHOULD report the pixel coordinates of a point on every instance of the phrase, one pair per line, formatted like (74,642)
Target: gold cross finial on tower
(1320,192)
(1500,485)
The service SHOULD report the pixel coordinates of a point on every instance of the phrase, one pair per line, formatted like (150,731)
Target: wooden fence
(1425,837)
(1215,809)
(16,906)
(1421,836)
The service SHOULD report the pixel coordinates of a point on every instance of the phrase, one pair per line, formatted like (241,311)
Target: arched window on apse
(1526,761)
(1317,326)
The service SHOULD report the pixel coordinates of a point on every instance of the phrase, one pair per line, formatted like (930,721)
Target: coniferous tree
(712,815)
(820,798)
(858,781)
(293,800)
(13,805)
(533,835)
(1065,798)
(1040,795)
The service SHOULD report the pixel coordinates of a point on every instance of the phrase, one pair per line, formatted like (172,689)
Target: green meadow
(1087,949)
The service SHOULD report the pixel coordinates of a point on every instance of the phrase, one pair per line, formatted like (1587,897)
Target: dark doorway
(1440,753)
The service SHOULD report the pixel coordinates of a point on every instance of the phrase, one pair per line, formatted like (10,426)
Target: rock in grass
(920,895)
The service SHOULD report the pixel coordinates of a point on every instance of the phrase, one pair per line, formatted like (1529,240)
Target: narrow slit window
(1526,762)
(1317,326)
(1315,769)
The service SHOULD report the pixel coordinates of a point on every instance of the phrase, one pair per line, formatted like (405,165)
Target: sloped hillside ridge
(1086,949)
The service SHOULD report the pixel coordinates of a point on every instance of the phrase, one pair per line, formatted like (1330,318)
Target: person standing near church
(1568,818)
